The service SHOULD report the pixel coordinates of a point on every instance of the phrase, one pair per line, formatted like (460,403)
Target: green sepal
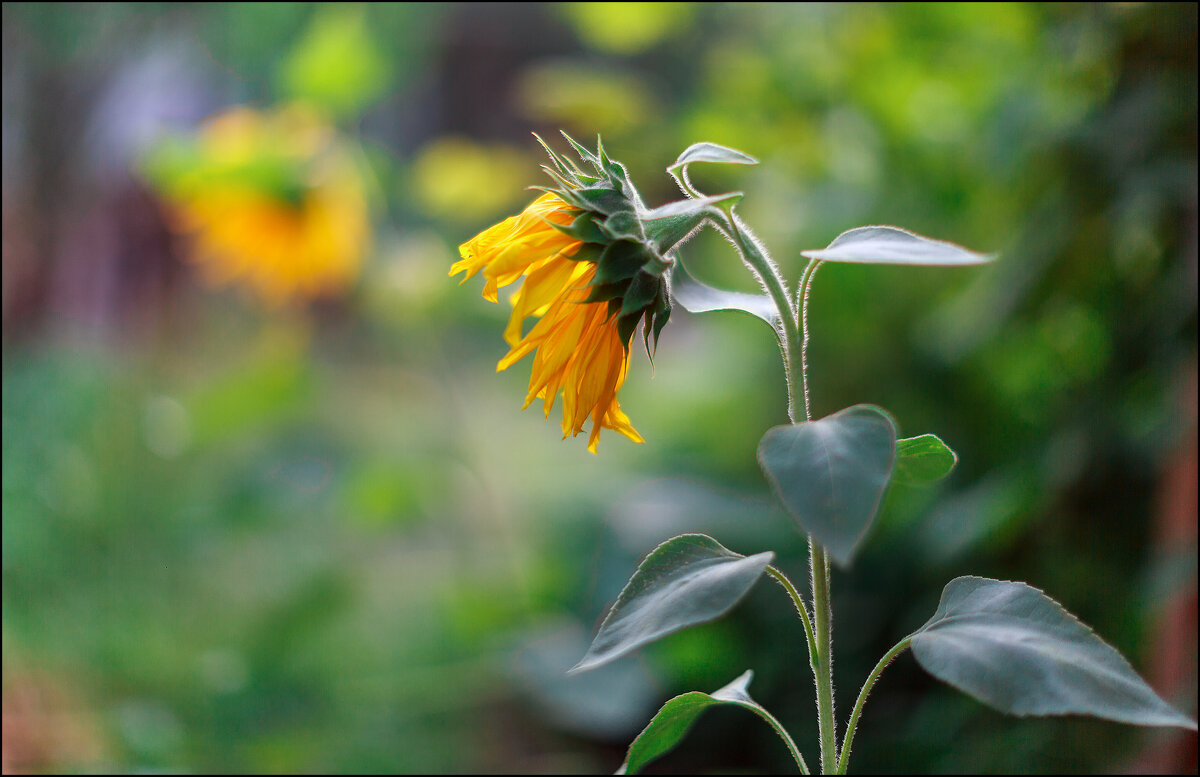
(602,200)
(588,252)
(641,293)
(606,292)
(559,178)
(623,225)
(567,195)
(667,225)
(621,260)
(626,324)
(564,165)
(656,264)
(619,175)
(613,169)
(584,227)
(655,321)
(600,155)
(584,154)
(584,179)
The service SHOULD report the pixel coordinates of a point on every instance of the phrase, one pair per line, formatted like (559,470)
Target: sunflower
(577,348)
(271,200)
(589,277)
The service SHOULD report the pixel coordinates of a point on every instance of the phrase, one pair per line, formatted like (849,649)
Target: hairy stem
(805,286)
(794,357)
(823,668)
(801,609)
(793,345)
(797,756)
(852,725)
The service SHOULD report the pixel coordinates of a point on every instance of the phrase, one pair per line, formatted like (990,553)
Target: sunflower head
(270,199)
(607,213)
(591,273)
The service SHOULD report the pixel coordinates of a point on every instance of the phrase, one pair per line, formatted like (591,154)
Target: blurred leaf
(687,580)
(989,514)
(923,459)
(892,245)
(672,722)
(697,297)
(258,395)
(336,66)
(625,28)
(385,493)
(609,703)
(167,163)
(831,474)
(462,181)
(1016,649)
(584,96)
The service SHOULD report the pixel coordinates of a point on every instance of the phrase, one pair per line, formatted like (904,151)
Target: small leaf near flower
(892,245)
(712,152)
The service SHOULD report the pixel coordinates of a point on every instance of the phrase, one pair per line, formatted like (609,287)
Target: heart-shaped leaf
(892,245)
(923,459)
(687,580)
(697,297)
(1016,649)
(671,723)
(831,474)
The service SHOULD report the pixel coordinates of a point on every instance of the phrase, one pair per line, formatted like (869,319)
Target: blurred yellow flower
(272,200)
(577,346)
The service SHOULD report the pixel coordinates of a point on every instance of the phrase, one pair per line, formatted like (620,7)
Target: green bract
(629,244)
(629,265)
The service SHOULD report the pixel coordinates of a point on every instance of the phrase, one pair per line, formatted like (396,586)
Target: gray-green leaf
(697,297)
(892,245)
(687,580)
(923,459)
(671,723)
(712,152)
(831,474)
(1016,649)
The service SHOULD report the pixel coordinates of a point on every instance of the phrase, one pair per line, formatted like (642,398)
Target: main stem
(822,656)
(794,342)
(822,650)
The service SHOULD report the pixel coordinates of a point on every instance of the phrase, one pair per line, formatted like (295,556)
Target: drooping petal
(578,353)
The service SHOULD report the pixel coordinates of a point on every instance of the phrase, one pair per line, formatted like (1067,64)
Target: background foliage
(238,538)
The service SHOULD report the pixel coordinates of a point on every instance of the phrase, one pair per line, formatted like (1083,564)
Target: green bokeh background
(329,540)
